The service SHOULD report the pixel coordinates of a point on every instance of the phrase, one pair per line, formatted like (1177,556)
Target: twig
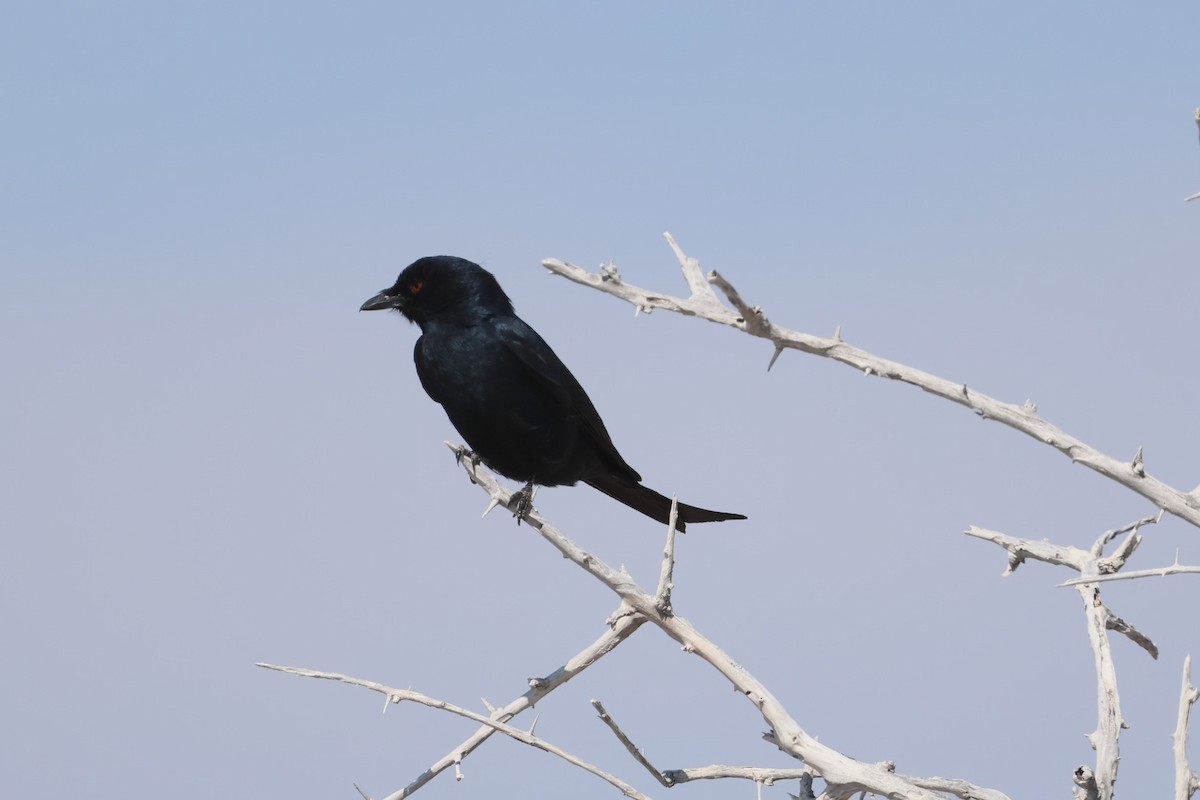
(764,776)
(666,575)
(1186,781)
(1105,740)
(395,695)
(1133,527)
(962,789)
(1023,417)
(760,775)
(1020,549)
(1158,572)
(629,745)
(622,624)
(1115,623)
(690,267)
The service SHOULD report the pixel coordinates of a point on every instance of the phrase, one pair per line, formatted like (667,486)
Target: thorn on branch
(774,358)
(1138,467)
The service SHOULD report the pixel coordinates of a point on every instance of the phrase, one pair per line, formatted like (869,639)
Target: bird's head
(443,289)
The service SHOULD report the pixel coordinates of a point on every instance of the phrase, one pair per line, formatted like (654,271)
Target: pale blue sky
(209,458)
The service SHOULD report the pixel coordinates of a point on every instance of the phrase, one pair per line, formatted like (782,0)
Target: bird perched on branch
(517,405)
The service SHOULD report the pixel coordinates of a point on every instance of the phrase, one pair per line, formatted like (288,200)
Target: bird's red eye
(415,287)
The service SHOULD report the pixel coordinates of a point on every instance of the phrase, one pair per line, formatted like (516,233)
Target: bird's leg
(523,500)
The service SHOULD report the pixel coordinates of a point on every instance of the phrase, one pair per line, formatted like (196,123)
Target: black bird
(518,406)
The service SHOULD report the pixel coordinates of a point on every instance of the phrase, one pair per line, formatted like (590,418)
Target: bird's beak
(383,300)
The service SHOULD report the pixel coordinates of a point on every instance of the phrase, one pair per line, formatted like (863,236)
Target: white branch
(621,626)
(701,291)
(1105,740)
(395,695)
(1023,417)
(607,719)
(666,576)
(1020,549)
(1186,781)
(967,791)
(1158,572)
(767,777)
(833,766)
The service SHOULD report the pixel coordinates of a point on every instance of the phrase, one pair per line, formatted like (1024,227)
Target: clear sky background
(209,458)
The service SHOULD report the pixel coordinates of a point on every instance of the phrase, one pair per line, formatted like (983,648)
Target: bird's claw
(521,502)
(462,452)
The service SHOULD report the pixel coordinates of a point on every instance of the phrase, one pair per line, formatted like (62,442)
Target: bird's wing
(551,373)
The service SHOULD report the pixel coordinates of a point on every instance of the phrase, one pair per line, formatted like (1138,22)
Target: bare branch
(666,575)
(1158,572)
(629,745)
(623,622)
(398,695)
(962,789)
(1020,549)
(1133,527)
(764,776)
(691,273)
(835,767)
(1105,739)
(754,319)
(1023,418)
(760,775)
(1119,625)
(1186,781)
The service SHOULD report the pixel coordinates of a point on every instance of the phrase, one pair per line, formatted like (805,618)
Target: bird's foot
(462,452)
(521,501)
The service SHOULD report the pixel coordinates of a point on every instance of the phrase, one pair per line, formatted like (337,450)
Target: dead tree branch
(837,769)
(1105,740)
(752,320)
(395,695)
(1186,781)
(621,626)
